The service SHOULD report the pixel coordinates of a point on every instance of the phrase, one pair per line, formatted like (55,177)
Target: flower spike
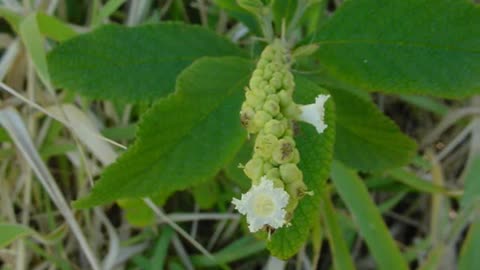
(314,113)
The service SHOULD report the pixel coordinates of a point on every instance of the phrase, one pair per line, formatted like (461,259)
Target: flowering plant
(275,111)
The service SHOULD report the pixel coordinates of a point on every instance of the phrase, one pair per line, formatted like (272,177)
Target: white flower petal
(263,205)
(314,113)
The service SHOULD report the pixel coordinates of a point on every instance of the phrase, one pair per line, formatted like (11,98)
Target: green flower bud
(288,83)
(285,98)
(265,144)
(255,81)
(273,173)
(289,139)
(273,97)
(275,127)
(259,93)
(271,107)
(269,89)
(262,84)
(254,169)
(253,100)
(289,132)
(261,118)
(257,73)
(276,82)
(290,173)
(267,166)
(292,205)
(292,111)
(246,116)
(284,151)
(273,67)
(297,189)
(296,156)
(262,63)
(278,183)
(267,74)
(268,53)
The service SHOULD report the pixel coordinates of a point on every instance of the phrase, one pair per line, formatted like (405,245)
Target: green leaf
(33,41)
(367,217)
(136,212)
(316,151)
(415,182)
(427,103)
(132,64)
(366,139)
(242,248)
(234,172)
(405,46)
(340,253)
(469,258)
(54,28)
(12,232)
(185,139)
(161,248)
(237,12)
(472,184)
(108,9)
(11,17)
(206,194)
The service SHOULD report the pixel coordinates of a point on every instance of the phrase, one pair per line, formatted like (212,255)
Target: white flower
(263,205)
(314,113)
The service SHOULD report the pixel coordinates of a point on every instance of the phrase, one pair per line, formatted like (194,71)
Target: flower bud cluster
(268,112)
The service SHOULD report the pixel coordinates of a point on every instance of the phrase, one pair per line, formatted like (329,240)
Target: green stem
(301,8)
(266,25)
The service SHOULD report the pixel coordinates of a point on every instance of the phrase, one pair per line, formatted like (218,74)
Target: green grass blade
(33,41)
(239,249)
(11,232)
(367,217)
(469,258)
(341,255)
